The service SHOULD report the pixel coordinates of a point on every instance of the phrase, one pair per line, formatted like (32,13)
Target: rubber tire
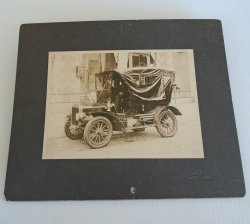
(86,132)
(69,134)
(158,125)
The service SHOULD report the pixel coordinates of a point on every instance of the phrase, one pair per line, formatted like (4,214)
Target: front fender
(118,124)
(159,109)
(174,110)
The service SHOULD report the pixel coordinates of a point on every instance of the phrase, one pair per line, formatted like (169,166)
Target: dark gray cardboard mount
(31,178)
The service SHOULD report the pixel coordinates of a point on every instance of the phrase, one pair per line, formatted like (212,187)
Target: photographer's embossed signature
(197,174)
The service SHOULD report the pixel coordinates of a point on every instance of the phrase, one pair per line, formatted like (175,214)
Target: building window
(110,62)
(140,60)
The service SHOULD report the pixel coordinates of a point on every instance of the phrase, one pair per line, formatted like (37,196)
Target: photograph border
(31,178)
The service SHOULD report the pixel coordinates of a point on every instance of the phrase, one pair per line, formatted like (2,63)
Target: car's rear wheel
(98,132)
(166,123)
(73,131)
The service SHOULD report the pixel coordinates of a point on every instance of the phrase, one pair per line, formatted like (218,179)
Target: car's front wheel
(72,131)
(98,132)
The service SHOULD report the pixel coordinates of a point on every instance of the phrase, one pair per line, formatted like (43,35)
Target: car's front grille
(75,110)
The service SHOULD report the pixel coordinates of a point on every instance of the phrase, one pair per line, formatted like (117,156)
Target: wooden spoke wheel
(166,123)
(73,131)
(98,132)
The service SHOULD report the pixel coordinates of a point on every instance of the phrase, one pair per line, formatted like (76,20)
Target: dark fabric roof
(154,84)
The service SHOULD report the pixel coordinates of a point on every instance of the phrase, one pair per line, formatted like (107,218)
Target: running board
(141,126)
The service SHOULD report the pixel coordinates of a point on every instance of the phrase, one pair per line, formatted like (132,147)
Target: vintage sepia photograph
(122,104)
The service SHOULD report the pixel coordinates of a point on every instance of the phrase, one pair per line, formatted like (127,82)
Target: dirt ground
(186,143)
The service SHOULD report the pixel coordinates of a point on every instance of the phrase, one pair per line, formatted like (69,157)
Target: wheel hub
(99,131)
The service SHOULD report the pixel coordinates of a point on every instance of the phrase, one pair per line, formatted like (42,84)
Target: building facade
(72,74)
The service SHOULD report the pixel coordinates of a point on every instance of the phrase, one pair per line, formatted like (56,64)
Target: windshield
(103,87)
(103,82)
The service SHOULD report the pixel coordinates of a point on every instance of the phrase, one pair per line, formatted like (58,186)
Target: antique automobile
(125,101)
